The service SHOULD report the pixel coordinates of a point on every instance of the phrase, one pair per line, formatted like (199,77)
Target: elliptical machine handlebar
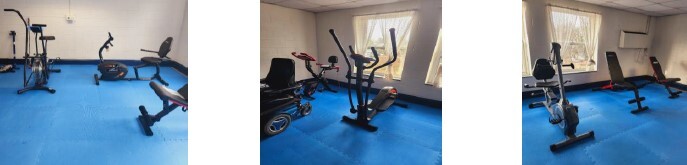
(20,16)
(348,63)
(106,45)
(26,28)
(392,32)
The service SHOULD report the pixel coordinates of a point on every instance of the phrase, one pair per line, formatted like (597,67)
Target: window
(373,31)
(526,71)
(577,32)
(434,73)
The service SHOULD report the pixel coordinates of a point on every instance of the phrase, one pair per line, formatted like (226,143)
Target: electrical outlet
(70,17)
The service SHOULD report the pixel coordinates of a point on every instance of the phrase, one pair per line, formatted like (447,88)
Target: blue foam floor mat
(405,136)
(87,124)
(655,136)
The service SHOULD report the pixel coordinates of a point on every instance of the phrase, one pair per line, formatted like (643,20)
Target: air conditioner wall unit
(635,40)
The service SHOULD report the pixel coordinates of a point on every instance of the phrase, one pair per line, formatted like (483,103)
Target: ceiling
(327,5)
(648,7)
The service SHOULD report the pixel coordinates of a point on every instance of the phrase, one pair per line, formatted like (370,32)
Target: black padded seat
(152,60)
(549,84)
(166,94)
(46,38)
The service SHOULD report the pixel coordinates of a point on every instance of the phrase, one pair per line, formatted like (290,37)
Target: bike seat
(46,38)
(152,60)
(167,94)
(548,84)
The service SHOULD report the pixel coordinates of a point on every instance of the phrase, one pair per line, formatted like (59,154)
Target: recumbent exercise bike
(113,70)
(561,111)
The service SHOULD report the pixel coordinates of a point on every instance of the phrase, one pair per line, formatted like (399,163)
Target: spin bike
(310,85)
(112,70)
(561,111)
(38,64)
(366,110)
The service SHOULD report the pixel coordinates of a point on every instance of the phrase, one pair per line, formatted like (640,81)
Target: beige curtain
(434,73)
(526,71)
(373,30)
(577,32)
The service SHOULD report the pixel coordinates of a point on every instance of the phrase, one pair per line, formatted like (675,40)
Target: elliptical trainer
(38,64)
(112,70)
(312,84)
(560,110)
(366,110)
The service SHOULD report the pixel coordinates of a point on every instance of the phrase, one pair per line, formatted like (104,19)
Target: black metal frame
(364,112)
(40,60)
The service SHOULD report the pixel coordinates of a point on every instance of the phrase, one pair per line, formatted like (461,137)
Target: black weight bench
(618,82)
(177,99)
(661,78)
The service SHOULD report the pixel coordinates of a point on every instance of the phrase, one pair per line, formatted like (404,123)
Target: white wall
(613,21)
(134,25)
(670,45)
(285,30)
(420,47)
(181,49)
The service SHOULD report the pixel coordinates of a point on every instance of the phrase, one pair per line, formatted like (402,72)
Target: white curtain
(373,30)
(577,32)
(525,48)
(434,73)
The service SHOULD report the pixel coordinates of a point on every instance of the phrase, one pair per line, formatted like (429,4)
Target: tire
(277,124)
(305,109)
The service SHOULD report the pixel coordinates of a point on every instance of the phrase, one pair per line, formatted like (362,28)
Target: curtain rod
(576,9)
(397,11)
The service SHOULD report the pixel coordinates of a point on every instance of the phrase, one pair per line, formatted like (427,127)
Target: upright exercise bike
(561,111)
(311,85)
(38,64)
(112,70)
(366,110)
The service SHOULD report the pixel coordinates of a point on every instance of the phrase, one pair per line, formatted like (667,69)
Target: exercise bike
(561,111)
(311,85)
(112,70)
(366,110)
(39,63)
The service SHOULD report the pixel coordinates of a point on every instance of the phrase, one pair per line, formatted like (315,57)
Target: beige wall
(670,45)
(285,30)
(613,21)
(134,25)
(420,47)
(181,54)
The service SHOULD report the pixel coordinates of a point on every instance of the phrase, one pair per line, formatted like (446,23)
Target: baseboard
(402,96)
(173,64)
(531,94)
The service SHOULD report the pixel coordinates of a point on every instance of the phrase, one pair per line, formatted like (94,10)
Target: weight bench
(177,98)
(618,82)
(661,78)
